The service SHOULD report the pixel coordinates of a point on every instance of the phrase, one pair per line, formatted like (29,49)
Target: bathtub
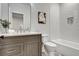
(66,48)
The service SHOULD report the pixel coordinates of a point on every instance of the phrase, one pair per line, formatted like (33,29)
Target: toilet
(49,48)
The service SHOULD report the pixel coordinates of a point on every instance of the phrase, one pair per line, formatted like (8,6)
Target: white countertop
(20,34)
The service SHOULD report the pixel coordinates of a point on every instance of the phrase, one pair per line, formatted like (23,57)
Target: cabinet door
(31,49)
(32,45)
(11,50)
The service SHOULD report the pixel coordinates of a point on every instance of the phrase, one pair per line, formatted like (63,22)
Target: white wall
(69,31)
(54,21)
(58,21)
(4,11)
(0,17)
(35,26)
(0,10)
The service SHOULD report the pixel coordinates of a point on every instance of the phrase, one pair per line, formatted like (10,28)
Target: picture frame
(70,20)
(41,17)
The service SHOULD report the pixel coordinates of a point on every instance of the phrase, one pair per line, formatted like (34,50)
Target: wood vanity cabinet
(25,45)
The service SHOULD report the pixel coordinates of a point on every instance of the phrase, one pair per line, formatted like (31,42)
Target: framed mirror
(19,16)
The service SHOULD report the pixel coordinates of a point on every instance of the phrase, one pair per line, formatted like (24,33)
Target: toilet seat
(50,44)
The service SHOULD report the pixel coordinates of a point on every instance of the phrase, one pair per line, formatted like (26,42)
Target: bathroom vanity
(20,44)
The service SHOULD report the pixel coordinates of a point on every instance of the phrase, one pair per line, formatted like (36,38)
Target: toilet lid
(50,44)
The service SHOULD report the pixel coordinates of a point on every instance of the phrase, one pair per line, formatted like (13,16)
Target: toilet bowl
(50,48)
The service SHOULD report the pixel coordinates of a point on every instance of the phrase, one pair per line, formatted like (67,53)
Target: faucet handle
(2,36)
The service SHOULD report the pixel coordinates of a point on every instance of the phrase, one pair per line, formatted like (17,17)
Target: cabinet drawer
(32,38)
(11,50)
(10,40)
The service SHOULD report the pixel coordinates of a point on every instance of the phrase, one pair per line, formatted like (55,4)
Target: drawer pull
(11,51)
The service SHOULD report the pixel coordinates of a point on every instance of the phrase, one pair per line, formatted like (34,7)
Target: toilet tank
(44,37)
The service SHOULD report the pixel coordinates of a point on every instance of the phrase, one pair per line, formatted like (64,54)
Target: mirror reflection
(18,14)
